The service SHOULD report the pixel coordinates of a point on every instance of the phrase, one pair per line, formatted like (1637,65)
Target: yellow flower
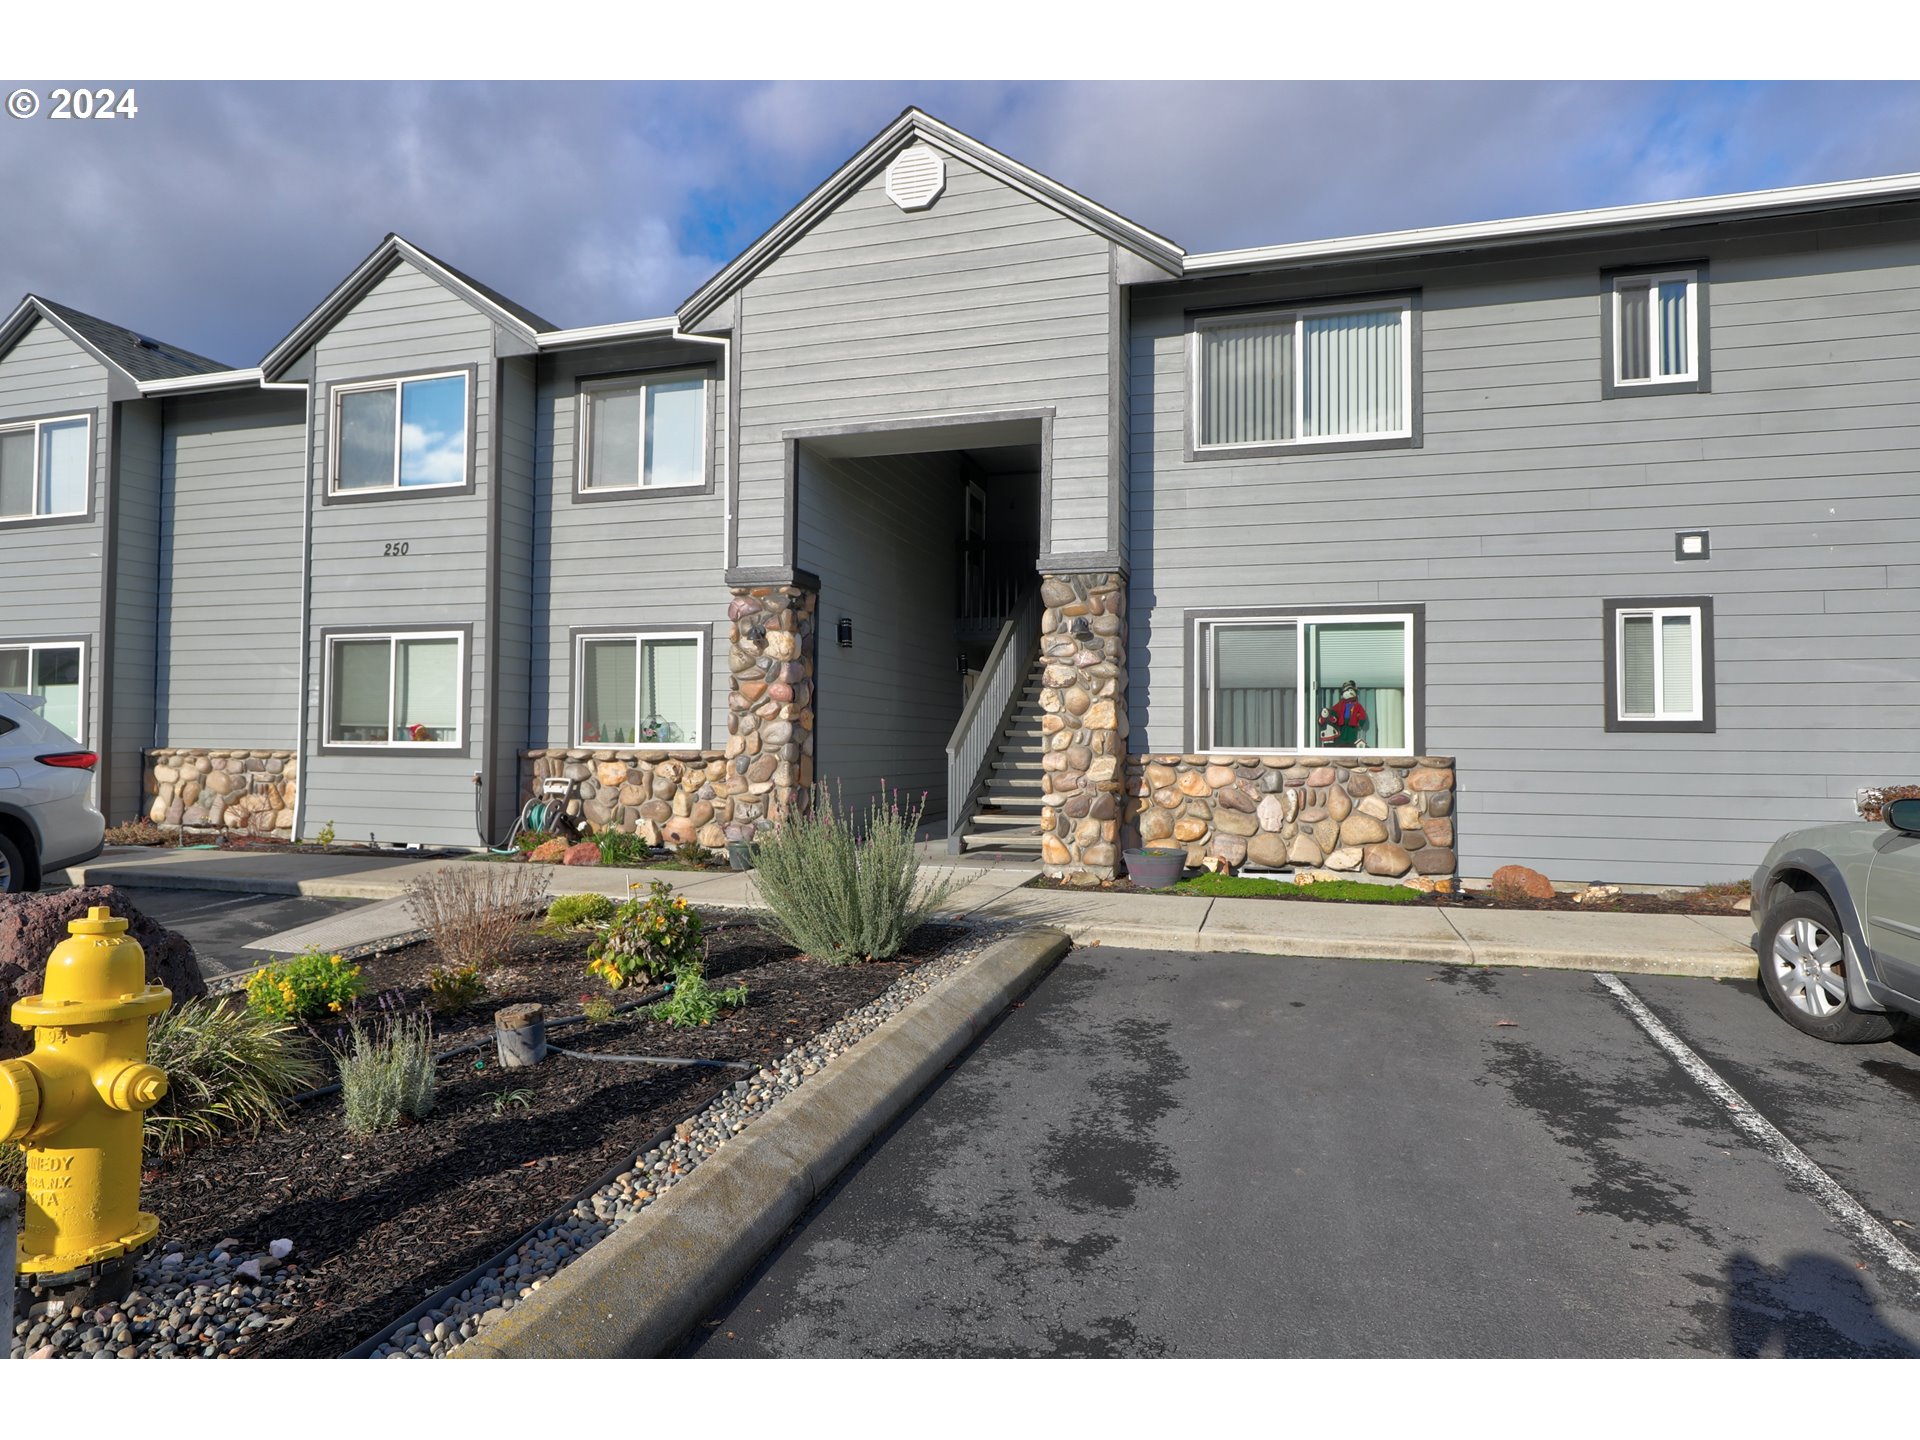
(333,1005)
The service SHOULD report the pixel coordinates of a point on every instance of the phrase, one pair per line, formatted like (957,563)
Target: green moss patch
(1238,886)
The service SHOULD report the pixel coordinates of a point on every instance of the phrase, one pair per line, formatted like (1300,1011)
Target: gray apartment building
(1575,541)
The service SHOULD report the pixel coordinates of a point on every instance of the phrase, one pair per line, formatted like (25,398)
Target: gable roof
(911,126)
(130,354)
(386,256)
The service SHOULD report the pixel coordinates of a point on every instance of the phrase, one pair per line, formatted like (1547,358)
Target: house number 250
(396,547)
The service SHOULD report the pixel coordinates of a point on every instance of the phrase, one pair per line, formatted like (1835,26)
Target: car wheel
(13,868)
(1803,965)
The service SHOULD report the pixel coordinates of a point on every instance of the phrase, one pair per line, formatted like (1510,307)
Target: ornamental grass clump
(847,888)
(646,939)
(388,1076)
(230,1068)
(570,912)
(619,847)
(473,913)
(309,986)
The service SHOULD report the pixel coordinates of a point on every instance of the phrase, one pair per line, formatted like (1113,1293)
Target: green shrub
(646,939)
(387,1076)
(692,852)
(694,1001)
(528,841)
(846,888)
(455,988)
(570,912)
(618,847)
(228,1067)
(311,984)
(596,1008)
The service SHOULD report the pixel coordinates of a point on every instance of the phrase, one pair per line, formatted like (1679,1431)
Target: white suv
(47,820)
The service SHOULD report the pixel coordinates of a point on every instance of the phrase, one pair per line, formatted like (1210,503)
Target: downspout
(305,388)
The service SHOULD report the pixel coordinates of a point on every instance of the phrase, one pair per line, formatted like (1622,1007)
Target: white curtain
(429,681)
(1246,383)
(1634,361)
(670,689)
(1353,382)
(1255,680)
(608,687)
(63,468)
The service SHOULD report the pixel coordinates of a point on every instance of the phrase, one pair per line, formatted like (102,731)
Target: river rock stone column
(1083,641)
(250,791)
(769,705)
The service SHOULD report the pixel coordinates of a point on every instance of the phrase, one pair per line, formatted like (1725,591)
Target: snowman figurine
(1342,722)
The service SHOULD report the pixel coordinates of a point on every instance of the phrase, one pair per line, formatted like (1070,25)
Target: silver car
(1838,913)
(47,818)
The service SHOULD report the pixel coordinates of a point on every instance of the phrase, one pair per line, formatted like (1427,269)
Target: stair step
(991,820)
(1016,764)
(1000,842)
(1026,806)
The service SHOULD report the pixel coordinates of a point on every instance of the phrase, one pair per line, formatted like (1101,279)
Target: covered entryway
(924,541)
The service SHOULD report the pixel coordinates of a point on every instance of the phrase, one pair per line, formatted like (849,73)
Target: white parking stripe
(1847,1211)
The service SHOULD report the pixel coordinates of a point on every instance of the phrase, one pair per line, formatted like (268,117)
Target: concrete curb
(646,1285)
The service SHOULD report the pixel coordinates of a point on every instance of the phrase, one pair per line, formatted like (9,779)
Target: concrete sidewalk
(1718,947)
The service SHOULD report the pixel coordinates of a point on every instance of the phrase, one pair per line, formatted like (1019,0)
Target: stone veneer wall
(250,790)
(769,702)
(1343,811)
(665,799)
(1083,641)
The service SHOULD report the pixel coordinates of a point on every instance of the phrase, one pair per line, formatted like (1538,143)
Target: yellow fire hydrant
(75,1103)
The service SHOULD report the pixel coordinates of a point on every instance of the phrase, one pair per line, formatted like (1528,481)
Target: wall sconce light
(845,632)
(1691,545)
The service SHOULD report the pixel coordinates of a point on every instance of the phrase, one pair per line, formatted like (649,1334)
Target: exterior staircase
(1005,821)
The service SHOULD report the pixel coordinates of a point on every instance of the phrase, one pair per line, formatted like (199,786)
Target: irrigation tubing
(653,1059)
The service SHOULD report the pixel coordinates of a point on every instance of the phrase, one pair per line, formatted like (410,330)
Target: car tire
(13,868)
(1801,953)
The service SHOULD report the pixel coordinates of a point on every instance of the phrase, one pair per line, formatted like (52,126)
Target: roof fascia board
(659,328)
(916,125)
(1573,224)
(386,256)
(120,384)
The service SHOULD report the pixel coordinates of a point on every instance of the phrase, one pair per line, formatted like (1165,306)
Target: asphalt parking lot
(220,923)
(1166,1154)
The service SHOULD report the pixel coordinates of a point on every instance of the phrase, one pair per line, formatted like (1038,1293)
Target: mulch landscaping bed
(1708,900)
(379,1222)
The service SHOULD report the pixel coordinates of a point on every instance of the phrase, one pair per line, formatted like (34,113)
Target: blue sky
(225,211)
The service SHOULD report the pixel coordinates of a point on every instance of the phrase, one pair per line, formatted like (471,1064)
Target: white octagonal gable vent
(916,177)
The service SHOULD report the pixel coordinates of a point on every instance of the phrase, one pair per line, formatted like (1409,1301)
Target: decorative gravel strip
(500,1287)
(206,1305)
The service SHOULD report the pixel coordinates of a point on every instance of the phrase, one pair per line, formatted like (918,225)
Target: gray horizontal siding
(639,561)
(406,323)
(231,570)
(987,301)
(1532,499)
(50,575)
(133,656)
(880,533)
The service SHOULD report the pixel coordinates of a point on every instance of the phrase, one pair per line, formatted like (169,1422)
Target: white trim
(660,328)
(590,390)
(211,380)
(1298,315)
(86,490)
(33,647)
(1485,234)
(1652,280)
(703,685)
(398,384)
(1203,703)
(393,639)
(1657,613)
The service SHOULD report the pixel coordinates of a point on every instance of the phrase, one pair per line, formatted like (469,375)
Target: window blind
(360,677)
(1246,383)
(1635,362)
(1636,665)
(674,416)
(1676,664)
(670,687)
(16,472)
(608,688)
(613,441)
(428,675)
(63,468)
(1352,381)
(1673,328)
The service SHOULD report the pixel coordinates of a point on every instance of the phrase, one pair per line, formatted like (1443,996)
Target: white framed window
(44,468)
(407,434)
(1656,328)
(642,689)
(56,672)
(1281,684)
(644,433)
(1306,376)
(396,689)
(1659,660)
